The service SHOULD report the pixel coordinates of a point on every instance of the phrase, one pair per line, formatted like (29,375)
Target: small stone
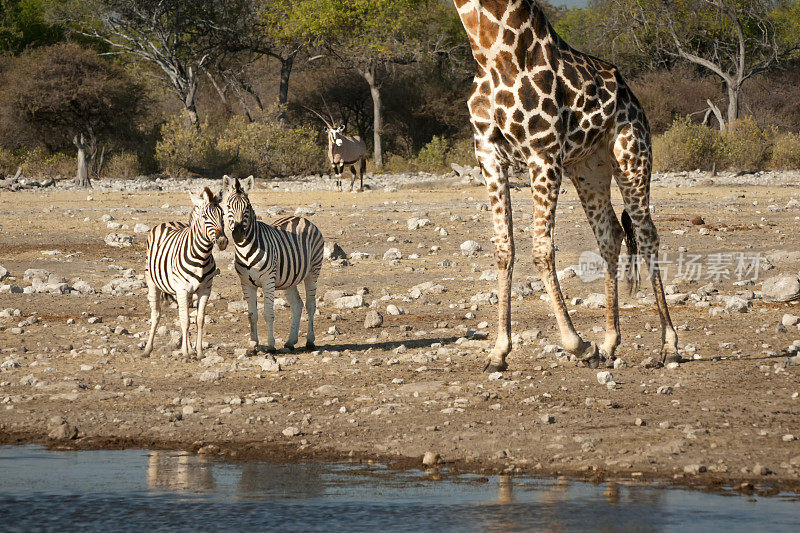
(781,289)
(141,228)
(118,240)
(392,254)
(210,375)
(788,438)
(333,252)
(393,310)
(694,469)
(664,390)
(430,458)
(673,366)
(761,470)
(291,431)
(469,248)
(787,320)
(373,319)
(188,410)
(494,376)
(95,319)
(639,422)
(604,377)
(547,419)
(349,302)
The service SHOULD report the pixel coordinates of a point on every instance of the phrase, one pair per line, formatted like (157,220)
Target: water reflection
(179,471)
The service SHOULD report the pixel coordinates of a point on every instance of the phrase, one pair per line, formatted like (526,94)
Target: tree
(367,36)
(734,40)
(23,24)
(62,95)
(181,38)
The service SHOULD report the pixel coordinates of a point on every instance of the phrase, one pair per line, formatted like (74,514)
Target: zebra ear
(227,182)
(207,196)
(197,199)
(248,183)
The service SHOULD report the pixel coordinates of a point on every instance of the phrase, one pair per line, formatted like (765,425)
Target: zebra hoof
(310,346)
(270,350)
(288,348)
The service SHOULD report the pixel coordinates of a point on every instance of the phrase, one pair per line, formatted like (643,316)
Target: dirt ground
(414,384)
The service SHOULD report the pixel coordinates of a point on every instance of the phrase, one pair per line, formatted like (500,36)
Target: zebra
(273,256)
(180,264)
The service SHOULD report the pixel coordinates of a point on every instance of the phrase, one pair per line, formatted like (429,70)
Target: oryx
(345,150)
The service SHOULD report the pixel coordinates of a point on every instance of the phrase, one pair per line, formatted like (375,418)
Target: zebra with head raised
(273,256)
(180,264)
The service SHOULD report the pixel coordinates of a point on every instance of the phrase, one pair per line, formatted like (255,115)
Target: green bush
(38,164)
(433,155)
(267,148)
(748,146)
(462,152)
(687,146)
(123,165)
(786,152)
(183,148)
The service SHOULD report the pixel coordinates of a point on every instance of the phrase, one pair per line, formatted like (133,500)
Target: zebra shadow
(388,345)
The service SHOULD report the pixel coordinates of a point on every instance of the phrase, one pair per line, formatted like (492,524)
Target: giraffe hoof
(491,367)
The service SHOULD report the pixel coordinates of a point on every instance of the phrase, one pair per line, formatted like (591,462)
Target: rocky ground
(406,318)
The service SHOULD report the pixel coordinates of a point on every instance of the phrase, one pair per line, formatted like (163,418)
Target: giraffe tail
(632,266)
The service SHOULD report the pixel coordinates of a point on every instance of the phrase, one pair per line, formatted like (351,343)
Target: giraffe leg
(500,198)
(311,306)
(154,298)
(595,194)
(633,179)
(545,184)
(297,309)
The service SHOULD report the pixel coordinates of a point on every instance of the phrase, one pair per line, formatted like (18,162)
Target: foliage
(686,146)
(39,163)
(748,146)
(183,148)
(433,154)
(267,149)
(50,94)
(122,165)
(8,162)
(23,24)
(786,151)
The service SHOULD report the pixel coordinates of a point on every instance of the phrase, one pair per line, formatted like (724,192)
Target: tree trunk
(82,179)
(733,106)
(283,91)
(377,114)
(189,102)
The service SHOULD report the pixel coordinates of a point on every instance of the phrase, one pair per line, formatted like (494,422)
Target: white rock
(469,248)
(781,289)
(141,228)
(391,254)
(349,302)
(393,310)
(430,458)
(291,431)
(604,377)
(595,301)
(118,240)
(788,320)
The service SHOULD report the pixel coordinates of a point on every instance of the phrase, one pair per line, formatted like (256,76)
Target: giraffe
(539,102)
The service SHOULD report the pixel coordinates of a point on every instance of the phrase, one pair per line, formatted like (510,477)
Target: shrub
(462,152)
(123,165)
(37,164)
(267,148)
(686,146)
(8,162)
(183,148)
(786,152)
(748,146)
(433,155)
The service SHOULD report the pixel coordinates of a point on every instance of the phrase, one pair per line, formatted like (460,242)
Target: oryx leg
(352,176)
(296,304)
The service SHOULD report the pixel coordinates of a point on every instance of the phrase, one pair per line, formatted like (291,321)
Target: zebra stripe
(273,256)
(180,263)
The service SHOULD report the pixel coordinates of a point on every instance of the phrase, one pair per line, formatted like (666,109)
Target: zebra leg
(184,299)
(269,311)
(311,307)
(154,298)
(297,309)
(251,295)
(202,300)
